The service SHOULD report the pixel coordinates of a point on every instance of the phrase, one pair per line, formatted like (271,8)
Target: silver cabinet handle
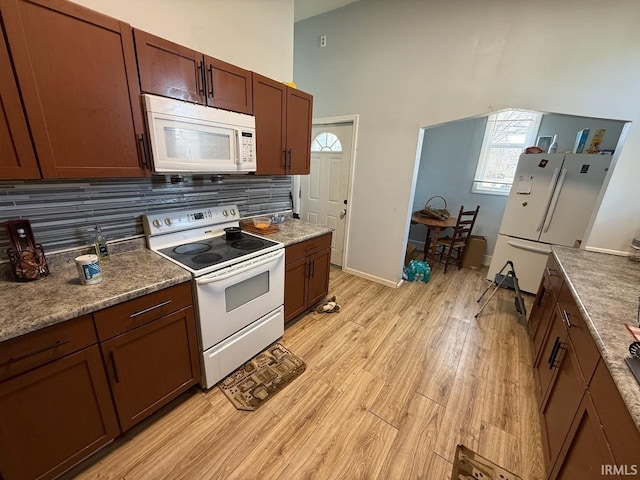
(146,310)
(565,317)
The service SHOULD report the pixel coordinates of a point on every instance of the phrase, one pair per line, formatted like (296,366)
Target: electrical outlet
(323,41)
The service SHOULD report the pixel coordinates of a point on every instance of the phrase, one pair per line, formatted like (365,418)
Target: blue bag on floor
(417,271)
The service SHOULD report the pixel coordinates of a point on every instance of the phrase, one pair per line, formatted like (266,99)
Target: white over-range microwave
(194,139)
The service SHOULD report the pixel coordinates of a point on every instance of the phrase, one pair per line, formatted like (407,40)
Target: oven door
(234,297)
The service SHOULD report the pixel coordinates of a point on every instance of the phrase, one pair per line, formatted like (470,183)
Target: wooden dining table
(437,226)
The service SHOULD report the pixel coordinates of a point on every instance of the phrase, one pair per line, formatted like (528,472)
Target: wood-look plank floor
(394,382)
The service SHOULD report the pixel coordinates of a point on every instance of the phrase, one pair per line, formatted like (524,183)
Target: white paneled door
(323,193)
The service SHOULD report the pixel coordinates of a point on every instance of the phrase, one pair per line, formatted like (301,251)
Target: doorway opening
(448,165)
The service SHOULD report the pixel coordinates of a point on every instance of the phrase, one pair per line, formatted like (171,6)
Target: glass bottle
(100,243)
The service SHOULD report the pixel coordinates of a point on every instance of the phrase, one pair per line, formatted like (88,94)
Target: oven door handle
(217,278)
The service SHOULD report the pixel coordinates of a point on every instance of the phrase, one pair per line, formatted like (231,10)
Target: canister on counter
(89,269)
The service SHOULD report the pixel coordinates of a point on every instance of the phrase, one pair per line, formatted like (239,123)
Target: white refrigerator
(550,203)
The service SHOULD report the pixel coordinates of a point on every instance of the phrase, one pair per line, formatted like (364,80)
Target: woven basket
(437,213)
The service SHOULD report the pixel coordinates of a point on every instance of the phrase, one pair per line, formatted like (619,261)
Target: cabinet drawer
(307,247)
(35,349)
(126,316)
(581,338)
(553,273)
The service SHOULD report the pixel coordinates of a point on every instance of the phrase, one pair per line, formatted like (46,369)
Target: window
(507,134)
(326,142)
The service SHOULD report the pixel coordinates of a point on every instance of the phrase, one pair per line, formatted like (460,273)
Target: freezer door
(531,195)
(579,185)
(529,260)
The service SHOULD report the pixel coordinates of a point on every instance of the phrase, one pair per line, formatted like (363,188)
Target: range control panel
(173,221)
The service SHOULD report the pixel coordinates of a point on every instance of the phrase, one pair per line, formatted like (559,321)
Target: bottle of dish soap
(101,245)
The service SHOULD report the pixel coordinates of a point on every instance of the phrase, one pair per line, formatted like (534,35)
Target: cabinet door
(585,453)
(169,69)
(17,158)
(318,276)
(541,315)
(562,400)
(229,87)
(54,416)
(544,370)
(269,109)
(620,429)
(295,288)
(151,365)
(77,73)
(299,116)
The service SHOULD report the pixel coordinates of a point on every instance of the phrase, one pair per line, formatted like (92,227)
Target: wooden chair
(451,248)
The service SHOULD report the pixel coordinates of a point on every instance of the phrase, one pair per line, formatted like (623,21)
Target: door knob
(343,213)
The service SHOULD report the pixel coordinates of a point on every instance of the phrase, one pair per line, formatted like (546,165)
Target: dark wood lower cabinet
(544,371)
(563,397)
(56,407)
(54,416)
(306,279)
(587,430)
(295,287)
(585,454)
(151,365)
(319,276)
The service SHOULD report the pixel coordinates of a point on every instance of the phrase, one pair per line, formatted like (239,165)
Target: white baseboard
(607,251)
(373,278)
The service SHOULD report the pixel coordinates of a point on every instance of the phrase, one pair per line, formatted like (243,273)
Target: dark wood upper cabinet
(283,127)
(231,87)
(174,71)
(299,113)
(270,110)
(17,157)
(77,74)
(169,69)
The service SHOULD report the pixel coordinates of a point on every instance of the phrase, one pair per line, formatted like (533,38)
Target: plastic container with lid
(634,250)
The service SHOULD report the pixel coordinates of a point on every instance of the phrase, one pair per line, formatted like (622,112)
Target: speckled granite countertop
(606,289)
(294,231)
(133,271)
(30,306)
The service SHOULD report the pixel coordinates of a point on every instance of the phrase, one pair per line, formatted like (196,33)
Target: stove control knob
(225,213)
(167,221)
(233,212)
(157,223)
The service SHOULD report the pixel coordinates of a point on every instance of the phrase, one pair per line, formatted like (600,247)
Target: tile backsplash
(63,213)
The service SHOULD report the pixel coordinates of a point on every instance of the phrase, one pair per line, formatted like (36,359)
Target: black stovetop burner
(211,251)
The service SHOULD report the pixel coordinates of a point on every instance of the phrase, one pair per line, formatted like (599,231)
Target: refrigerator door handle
(554,202)
(552,185)
(529,248)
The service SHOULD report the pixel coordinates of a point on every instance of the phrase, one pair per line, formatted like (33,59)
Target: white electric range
(238,283)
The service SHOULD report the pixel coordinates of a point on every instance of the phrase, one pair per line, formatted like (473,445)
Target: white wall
(408,64)
(252,34)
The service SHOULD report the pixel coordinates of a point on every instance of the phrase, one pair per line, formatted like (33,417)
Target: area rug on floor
(468,465)
(262,377)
